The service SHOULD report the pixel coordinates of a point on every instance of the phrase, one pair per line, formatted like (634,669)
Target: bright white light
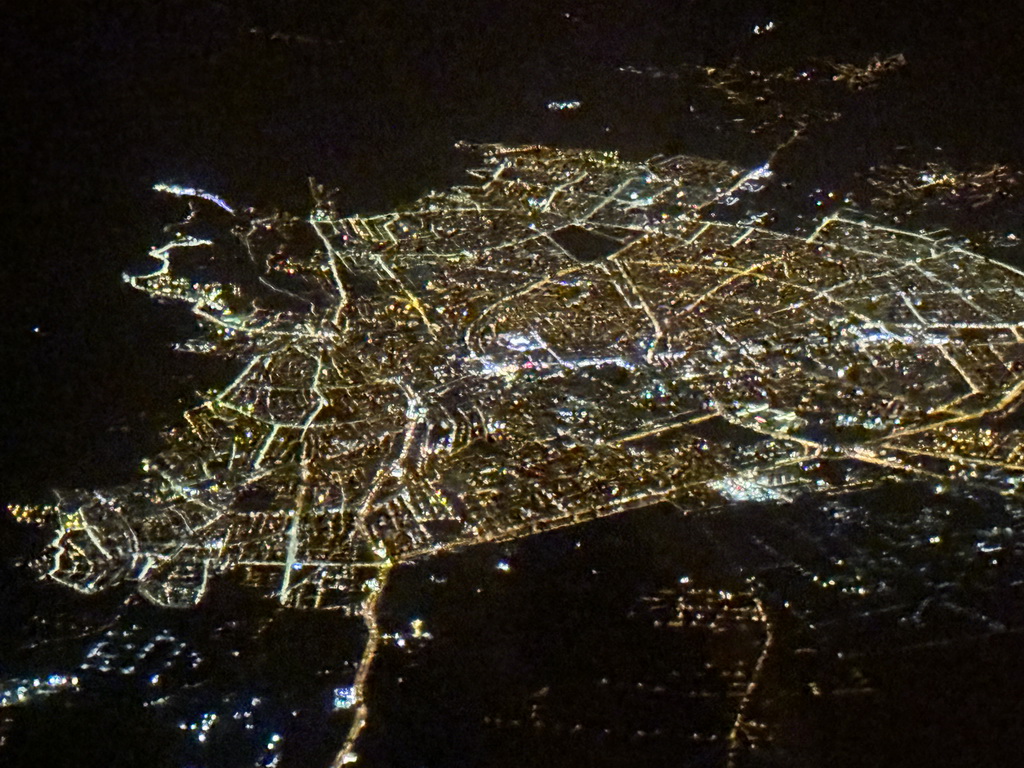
(344,698)
(174,189)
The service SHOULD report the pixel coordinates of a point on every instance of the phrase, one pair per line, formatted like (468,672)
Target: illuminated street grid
(570,337)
